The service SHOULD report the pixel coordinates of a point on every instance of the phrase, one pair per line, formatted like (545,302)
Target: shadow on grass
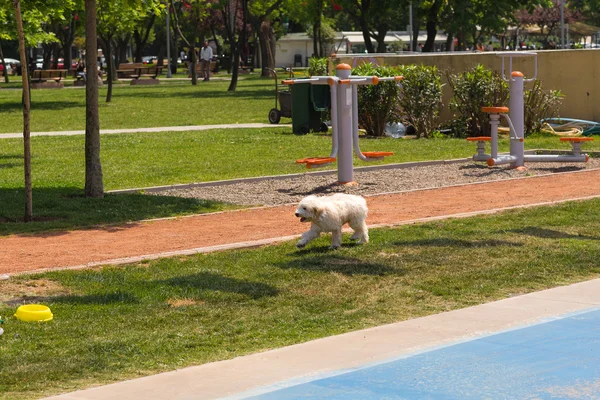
(96,299)
(208,281)
(445,242)
(203,93)
(325,260)
(43,105)
(59,209)
(550,233)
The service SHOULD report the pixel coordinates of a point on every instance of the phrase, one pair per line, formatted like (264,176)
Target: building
(296,48)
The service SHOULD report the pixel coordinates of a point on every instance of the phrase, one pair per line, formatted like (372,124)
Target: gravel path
(285,191)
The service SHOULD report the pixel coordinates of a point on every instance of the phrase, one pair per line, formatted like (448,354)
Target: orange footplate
(315,161)
(377,154)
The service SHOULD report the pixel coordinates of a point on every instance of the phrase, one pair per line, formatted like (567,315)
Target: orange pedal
(495,110)
(375,154)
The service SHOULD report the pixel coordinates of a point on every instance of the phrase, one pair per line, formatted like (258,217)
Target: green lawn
(116,323)
(167,104)
(153,159)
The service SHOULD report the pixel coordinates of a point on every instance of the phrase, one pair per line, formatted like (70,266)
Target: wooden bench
(48,78)
(200,71)
(135,71)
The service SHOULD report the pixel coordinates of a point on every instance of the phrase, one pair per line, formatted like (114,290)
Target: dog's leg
(361,232)
(336,238)
(309,235)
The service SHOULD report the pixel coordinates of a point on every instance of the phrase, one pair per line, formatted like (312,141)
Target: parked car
(9,63)
(149,59)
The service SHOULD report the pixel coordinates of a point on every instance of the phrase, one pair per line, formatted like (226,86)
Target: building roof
(355,37)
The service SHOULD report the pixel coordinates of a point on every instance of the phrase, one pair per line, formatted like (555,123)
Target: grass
(153,159)
(115,323)
(168,104)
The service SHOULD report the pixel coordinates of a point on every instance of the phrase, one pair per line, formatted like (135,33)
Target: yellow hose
(568,129)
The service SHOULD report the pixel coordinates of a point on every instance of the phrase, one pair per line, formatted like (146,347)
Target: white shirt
(206,53)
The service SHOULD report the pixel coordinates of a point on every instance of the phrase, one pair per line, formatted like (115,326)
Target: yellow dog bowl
(34,312)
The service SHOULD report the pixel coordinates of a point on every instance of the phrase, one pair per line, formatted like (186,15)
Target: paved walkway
(268,371)
(135,130)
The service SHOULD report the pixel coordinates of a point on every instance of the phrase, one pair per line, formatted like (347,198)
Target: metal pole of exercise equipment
(168,43)
(345,123)
(517,117)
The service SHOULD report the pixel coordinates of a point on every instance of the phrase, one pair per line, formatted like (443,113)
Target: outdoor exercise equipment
(515,116)
(344,120)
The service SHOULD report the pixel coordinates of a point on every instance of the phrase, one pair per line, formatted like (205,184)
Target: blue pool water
(557,359)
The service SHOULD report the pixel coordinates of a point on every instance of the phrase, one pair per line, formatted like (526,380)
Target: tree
(141,33)
(471,20)
(192,21)
(589,10)
(118,17)
(262,14)
(375,18)
(26,25)
(26,108)
(547,18)
(94,186)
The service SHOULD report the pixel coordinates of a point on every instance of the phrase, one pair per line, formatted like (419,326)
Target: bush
(540,104)
(377,104)
(420,98)
(472,90)
(318,66)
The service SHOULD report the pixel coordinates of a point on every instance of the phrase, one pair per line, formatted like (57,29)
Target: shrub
(377,104)
(540,104)
(420,98)
(317,66)
(473,89)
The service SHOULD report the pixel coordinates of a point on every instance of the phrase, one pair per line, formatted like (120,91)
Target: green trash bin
(308,103)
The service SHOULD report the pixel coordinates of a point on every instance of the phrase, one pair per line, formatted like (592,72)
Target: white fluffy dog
(329,213)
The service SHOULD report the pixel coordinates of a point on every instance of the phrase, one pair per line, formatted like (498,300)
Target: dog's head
(308,210)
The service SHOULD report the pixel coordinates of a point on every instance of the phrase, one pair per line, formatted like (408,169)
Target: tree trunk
(194,62)
(236,45)
(109,67)
(364,27)
(26,107)
(66,41)
(94,186)
(267,40)
(315,33)
(415,33)
(449,41)
(141,38)
(380,39)
(121,49)
(432,22)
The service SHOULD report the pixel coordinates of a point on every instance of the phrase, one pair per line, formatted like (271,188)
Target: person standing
(206,55)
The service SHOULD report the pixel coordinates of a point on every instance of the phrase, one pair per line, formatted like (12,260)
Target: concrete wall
(284,55)
(576,73)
